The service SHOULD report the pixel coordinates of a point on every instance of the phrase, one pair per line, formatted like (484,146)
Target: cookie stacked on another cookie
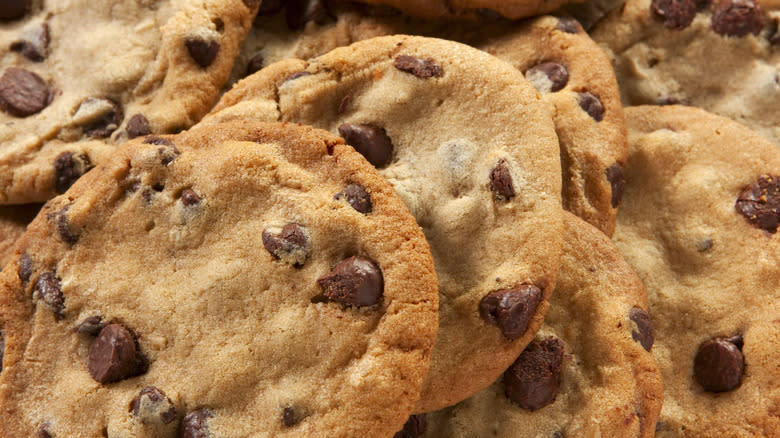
(238,279)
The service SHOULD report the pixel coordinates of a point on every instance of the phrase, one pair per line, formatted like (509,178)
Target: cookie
(470,8)
(589,372)
(242,279)
(698,224)
(79,77)
(13,221)
(471,149)
(567,67)
(663,51)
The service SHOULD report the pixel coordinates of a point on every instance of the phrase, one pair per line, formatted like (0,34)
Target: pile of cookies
(400,219)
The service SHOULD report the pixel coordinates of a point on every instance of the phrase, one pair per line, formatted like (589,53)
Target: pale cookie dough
(245,279)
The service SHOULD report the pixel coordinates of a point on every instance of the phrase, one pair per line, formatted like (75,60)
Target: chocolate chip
(617,180)
(592,105)
(703,244)
(268,7)
(12,9)
(357,196)
(344,104)
(759,203)
(568,25)
(137,126)
(2,350)
(645,332)
(67,234)
(195,424)
(356,281)
(676,14)
(738,18)
(371,141)
(25,268)
(290,244)
(255,64)
(158,141)
(719,364)
(114,355)
(22,92)
(774,35)
(557,434)
(422,68)
(99,116)
(48,289)
(414,428)
(152,406)
(532,381)
(548,76)
(288,417)
(33,44)
(297,75)
(511,309)
(189,198)
(202,52)
(68,168)
(43,431)
(91,326)
(501,181)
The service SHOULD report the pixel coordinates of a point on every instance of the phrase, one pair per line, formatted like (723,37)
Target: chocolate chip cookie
(79,77)
(470,148)
(722,56)
(699,225)
(241,279)
(589,372)
(489,9)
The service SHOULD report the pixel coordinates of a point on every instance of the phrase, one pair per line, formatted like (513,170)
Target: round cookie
(566,66)
(13,221)
(240,279)
(698,224)
(77,77)
(589,372)
(470,147)
(663,53)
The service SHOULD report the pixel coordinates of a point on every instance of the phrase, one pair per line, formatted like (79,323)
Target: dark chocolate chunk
(344,104)
(568,25)
(738,18)
(138,126)
(677,14)
(759,203)
(548,76)
(719,364)
(152,406)
(68,168)
(255,64)
(104,116)
(290,244)
(189,198)
(91,326)
(158,141)
(202,52)
(2,350)
(67,234)
(371,141)
(357,196)
(532,381)
(414,427)
(422,68)
(48,289)
(43,431)
(33,44)
(25,268)
(114,355)
(645,332)
(501,181)
(356,281)
(13,9)
(195,424)
(22,92)
(511,309)
(592,105)
(289,418)
(617,180)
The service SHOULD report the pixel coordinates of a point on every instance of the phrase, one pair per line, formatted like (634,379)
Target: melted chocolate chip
(344,104)
(421,68)
(414,427)
(202,52)
(68,168)
(100,115)
(114,355)
(290,244)
(645,332)
(719,364)
(158,141)
(152,406)
(189,198)
(356,281)
(48,289)
(511,309)
(138,126)
(43,431)
(357,196)
(195,424)
(2,350)
(759,203)
(548,76)
(67,234)
(737,18)
(25,268)
(592,105)
(297,75)
(371,141)
(289,419)
(501,181)
(13,9)
(677,14)
(22,92)
(255,64)
(33,44)
(568,25)
(617,180)
(532,381)
(91,326)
